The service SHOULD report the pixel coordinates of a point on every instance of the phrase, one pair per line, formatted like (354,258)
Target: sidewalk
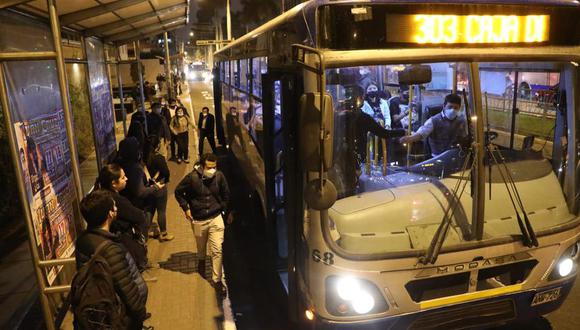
(179,298)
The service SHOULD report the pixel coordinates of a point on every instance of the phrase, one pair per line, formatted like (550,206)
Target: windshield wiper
(441,233)
(528,235)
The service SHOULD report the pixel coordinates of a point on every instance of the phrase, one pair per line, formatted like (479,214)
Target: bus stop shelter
(36,59)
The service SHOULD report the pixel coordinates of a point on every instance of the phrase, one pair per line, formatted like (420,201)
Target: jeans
(161,208)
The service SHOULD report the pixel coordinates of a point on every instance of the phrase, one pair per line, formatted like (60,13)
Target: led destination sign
(467,29)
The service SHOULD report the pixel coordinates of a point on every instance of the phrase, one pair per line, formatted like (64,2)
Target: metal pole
(48,319)
(26,56)
(123,111)
(168,64)
(228,20)
(514,111)
(111,93)
(55,27)
(139,71)
(478,207)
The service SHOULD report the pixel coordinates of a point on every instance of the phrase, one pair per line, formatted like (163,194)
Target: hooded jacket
(137,190)
(204,197)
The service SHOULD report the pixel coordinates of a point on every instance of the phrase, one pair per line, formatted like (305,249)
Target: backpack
(94,301)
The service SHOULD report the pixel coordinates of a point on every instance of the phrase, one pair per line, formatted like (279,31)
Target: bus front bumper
(474,314)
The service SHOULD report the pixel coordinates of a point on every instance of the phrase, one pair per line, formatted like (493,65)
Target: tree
(258,12)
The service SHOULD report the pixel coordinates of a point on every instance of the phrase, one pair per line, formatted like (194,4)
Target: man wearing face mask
(443,130)
(205,125)
(204,196)
(169,112)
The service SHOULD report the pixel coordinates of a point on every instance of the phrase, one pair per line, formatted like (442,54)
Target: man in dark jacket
(355,124)
(205,126)
(203,195)
(99,210)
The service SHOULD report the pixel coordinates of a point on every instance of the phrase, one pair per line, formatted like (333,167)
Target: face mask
(450,114)
(205,114)
(372,94)
(209,173)
(180,114)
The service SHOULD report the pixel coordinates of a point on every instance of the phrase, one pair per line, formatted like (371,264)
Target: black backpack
(94,302)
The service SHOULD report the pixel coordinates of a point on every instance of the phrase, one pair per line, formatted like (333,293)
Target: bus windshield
(394,192)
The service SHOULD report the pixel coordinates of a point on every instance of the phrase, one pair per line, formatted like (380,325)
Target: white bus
(369,233)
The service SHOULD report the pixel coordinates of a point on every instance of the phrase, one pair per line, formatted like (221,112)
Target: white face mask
(209,173)
(450,114)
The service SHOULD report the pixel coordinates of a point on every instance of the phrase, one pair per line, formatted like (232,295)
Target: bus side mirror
(415,75)
(310,125)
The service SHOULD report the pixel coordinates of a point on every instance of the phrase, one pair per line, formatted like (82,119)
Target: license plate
(546,296)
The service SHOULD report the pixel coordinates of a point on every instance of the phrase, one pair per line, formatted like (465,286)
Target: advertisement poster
(41,141)
(101,101)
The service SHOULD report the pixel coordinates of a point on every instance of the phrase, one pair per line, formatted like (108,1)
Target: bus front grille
(463,317)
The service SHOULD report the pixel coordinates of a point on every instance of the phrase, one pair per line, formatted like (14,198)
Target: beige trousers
(210,231)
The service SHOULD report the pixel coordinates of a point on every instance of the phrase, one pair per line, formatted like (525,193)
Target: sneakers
(154,234)
(186,161)
(165,237)
(178,160)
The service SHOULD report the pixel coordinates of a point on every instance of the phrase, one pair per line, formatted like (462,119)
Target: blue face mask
(450,114)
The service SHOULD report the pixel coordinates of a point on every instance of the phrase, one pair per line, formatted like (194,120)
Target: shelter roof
(117,21)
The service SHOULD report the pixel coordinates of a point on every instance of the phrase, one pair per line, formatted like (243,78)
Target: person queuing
(204,196)
(99,210)
(179,126)
(169,112)
(157,125)
(159,172)
(443,130)
(130,222)
(205,127)
(144,194)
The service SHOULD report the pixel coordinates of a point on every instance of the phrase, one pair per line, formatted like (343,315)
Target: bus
(366,232)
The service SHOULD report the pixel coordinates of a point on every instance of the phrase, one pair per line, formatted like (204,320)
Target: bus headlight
(565,267)
(348,296)
(567,264)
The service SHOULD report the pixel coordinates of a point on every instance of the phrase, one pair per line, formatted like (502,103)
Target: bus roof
(308,5)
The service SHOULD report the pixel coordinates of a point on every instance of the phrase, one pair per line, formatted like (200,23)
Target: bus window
(396,191)
(535,101)
(235,74)
(256,124)
(259,67)
(372,169)
(226,65)
(244,74)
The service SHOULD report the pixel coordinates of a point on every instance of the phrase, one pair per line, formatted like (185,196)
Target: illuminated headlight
(567,264)
(565,267)
(348,296)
